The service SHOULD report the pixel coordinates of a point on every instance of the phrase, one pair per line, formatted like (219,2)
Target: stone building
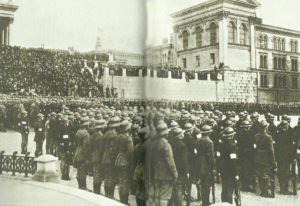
(7,10)
(260,61)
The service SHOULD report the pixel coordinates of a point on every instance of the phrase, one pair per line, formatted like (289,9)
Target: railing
(17,163)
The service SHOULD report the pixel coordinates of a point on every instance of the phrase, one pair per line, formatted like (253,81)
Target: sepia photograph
(149,103)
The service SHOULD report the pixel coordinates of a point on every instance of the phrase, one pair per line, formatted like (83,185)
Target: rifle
(272,181)
(294,177)
(237,192)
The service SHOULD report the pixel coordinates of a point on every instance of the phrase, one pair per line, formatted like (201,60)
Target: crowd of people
(157,152)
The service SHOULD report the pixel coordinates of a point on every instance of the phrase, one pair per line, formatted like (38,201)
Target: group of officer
(158,154)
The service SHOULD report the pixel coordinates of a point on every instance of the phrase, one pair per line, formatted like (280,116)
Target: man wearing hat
(24,130)
(284,154)
(39,137)
(255,123)
(97,143)
(264,159)
(227,155)
(272,129)
(205,162)
(190,142)
(51,133)
(82,153)
(160,168)
(110,155)
(245,142)
(139,164)
(242,117)
(124,161)
(65,149)
(181,161)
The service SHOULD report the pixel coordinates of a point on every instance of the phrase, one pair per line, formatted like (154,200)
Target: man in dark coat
(82,153)
(284,151)
(264,160)
(181,161)
(39,137)
(97,146)
(110,155)
(206,163)
(245,141)
(160,169)
(272,129)
(24,130)
(296,138)
(227,153)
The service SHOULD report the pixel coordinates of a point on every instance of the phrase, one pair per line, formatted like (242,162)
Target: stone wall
(236,87)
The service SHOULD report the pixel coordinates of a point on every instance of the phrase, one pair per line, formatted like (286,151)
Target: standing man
(124,161)
(24,130)
(109,157)
(97,143)
(264,160)
(82,153)
(181,161)
(206,161)
(39,137)
(227,152)
(161,168)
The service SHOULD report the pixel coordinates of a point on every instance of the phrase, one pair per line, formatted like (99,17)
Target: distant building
(7,11)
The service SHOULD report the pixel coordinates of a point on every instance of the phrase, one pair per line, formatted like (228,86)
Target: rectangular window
(184,63)
(212,58)
(263,80)
(294,64)
(263,61)
(295,82)
(198,61)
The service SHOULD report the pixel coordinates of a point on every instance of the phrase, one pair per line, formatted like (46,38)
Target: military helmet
(206,129)
(229,131)
(245,123)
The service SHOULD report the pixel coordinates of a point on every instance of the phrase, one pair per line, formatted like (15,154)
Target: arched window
(279,44)
(185,40)
(275,45)
(231,32)
(213,33)
(283,45)
(266,41)
(296,46)
(292,46)
(199,32)
(261,41)
(243,34)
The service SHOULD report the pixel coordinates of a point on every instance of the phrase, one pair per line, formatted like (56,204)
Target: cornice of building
(277,30)
(8,7)
(249,4)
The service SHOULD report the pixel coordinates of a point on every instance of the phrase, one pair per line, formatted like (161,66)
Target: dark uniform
(181,161)
(109,157)
(296,138)
(245,142)
(124,161)
(24,130)
(227,153)
(65,150)
(205,163)
(264,159)
(82,154)
(39,137)
(284,155)
(161,169)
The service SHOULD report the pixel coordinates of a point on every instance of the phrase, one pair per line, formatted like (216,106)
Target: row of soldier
(158,154)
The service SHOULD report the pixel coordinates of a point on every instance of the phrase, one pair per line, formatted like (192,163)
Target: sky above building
(125,24)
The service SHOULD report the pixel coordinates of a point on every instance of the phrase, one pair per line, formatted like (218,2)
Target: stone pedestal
(46,169)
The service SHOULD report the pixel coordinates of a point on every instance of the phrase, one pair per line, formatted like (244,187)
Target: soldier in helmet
(82,153)
(245,141)
(205,162)
(242,117)
(264,159)
(272,129)
(97,146)
(124,160)
(110,155)
(161,169)
(24,130)
(255,123)
(181,161)
(65,149)
(284,153)
(39,137)
(227,152)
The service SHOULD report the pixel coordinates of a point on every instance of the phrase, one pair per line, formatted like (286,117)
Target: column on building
(223,37)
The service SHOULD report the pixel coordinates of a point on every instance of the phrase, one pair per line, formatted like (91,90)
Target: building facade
(258,59)
(7,11)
